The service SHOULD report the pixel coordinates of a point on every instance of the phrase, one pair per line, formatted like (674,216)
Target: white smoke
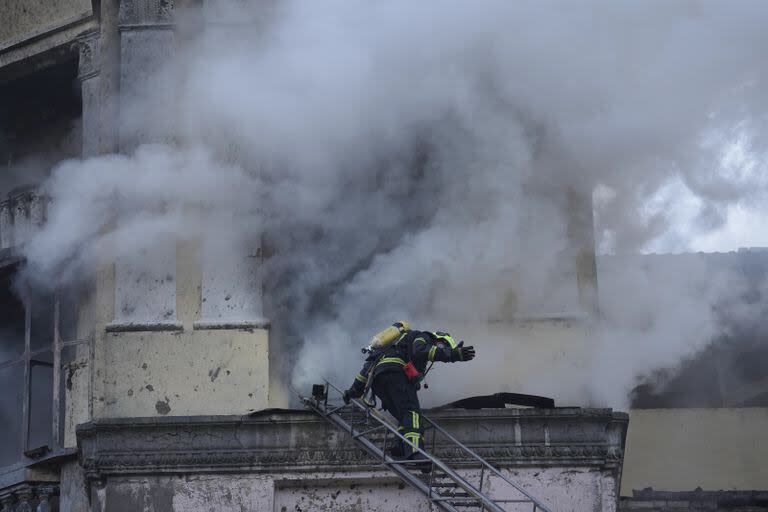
(415,159)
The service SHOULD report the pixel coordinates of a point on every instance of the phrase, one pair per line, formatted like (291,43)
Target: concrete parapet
(571,458)
(649,500)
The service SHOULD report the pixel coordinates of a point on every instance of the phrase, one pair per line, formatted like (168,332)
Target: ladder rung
(408,461)
(352,414)
(437,480)
(352,421)
(364,432)
(445,488)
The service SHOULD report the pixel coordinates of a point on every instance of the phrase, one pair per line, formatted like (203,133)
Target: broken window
(40,115)
(11,400)
(12,347)
(30,348)
(11,321)
(40,401)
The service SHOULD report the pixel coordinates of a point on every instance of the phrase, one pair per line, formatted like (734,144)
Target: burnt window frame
(29,455)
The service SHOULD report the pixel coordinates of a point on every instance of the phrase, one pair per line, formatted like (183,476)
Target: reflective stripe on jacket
(418,347)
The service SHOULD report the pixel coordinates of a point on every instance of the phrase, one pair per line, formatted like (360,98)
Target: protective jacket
(417,347)
(393,372)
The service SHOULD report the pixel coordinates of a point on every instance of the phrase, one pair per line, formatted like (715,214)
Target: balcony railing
(21,213)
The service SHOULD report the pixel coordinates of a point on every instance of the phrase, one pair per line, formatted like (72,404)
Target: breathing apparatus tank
(387,336)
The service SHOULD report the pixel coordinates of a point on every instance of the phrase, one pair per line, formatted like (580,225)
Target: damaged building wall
(39,126)
(291,460)
(135,38)
(30,29)
(184,373)
(121,359)
(184,363)
(22,21)
(178,328)
(179,331)
(567,490)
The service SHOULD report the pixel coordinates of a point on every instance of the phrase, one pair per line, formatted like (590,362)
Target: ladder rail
(487,465)
(468,487)
(399,469)
(484,503)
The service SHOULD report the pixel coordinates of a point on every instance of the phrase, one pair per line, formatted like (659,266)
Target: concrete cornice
(87,45)
(284,440)
(139,14)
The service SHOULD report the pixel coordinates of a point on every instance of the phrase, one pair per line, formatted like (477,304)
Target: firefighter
(394,373)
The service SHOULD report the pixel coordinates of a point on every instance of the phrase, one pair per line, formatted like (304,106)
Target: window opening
(31,326)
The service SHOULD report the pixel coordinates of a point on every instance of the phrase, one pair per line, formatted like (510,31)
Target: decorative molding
(89,63)
(732,498)
(192,461)
(143,326)
(42,33)
(256,444)
(7,502)
(138,13)
(24,209)
(27,497)
(24,496)
(247,325)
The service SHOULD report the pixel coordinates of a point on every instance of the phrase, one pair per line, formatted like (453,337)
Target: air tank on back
(387,336)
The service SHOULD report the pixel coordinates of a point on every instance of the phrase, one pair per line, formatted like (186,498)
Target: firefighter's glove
(348,395)
(462,353)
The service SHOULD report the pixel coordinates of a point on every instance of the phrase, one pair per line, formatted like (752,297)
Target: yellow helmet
(402,326)
(445,337)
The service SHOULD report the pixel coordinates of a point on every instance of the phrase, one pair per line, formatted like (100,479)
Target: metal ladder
(443,486)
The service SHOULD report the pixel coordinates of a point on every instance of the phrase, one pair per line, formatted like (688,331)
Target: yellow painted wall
(187,371)
(184,373)
(682,449)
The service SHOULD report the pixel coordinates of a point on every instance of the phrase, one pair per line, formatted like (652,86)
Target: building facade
(122,390)
(134,390)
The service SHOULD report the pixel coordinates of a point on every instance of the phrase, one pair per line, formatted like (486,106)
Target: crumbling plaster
(567,490)
(184,372)
(31,28)
(178,366)
(23,20)
(569,458)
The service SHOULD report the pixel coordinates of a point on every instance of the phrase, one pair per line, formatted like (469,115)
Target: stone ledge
(300,441)
(142,13)
(649,500)
(44,32)
(28,496)
(246,325)
(143,326)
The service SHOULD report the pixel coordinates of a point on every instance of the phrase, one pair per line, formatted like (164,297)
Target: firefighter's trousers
(398,397)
